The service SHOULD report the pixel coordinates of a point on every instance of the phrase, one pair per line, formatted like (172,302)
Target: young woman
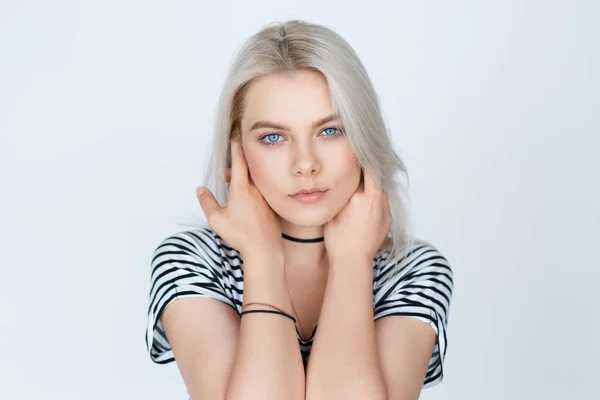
(307,226)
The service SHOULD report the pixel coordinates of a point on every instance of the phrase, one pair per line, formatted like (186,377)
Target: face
(295,148)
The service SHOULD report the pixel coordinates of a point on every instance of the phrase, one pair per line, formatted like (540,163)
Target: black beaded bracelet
(269,312)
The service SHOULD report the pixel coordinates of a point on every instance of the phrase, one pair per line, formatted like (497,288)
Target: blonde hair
(294,45)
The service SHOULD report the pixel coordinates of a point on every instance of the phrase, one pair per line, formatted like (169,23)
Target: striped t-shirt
(198,262)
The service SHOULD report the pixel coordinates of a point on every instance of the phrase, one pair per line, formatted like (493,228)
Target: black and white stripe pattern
(199,263)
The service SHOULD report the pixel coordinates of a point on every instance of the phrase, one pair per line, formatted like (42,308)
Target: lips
(309,197)
(308,191)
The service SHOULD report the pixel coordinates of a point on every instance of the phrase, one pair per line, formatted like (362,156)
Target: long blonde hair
(293,45)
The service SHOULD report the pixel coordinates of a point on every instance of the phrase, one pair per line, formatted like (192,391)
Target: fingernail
(199,190)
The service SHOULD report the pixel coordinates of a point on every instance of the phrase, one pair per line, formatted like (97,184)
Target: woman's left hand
(359,229)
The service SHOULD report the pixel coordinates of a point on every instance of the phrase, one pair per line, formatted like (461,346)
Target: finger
(239,168)
(209,204)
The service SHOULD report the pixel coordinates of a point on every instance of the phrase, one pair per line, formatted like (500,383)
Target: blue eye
(271,138)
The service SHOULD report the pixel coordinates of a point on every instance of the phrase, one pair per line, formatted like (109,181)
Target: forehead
(291,98)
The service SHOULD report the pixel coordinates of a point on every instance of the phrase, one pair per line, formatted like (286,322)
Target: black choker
(293,239)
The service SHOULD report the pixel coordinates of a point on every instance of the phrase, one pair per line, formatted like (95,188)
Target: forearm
(268,363)
(344,362)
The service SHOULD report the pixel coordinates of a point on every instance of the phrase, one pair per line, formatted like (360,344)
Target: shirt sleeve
(185,264)
(421,287)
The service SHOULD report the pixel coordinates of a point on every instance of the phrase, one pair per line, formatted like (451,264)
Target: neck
(304,255)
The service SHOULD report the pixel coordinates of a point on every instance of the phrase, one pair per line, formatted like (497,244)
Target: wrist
(343,260)
(349,271)
(260,256)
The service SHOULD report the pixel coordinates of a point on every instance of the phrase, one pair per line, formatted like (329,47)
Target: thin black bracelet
(270,312)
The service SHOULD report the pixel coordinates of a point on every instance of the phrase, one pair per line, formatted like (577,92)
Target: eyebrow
(269,124)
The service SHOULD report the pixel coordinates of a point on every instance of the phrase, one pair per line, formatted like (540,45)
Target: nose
(306,160)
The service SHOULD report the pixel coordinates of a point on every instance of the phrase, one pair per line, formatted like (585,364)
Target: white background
(106,109)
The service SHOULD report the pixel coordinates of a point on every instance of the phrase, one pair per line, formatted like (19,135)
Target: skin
(353,216)
(271,163)
(283,161)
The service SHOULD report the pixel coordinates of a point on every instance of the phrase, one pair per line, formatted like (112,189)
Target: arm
(268,364)
(405,347)
(191,314)
(203,334)
(344,361)
(411,322)
(221,357)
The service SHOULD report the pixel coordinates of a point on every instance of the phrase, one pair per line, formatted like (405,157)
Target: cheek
(352,170)
(354,180)
(262,172)
(347,178)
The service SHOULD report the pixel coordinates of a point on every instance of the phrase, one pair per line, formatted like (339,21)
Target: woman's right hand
(246,222)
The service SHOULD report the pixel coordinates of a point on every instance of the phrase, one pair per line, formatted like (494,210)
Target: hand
(360,228)
(246,222)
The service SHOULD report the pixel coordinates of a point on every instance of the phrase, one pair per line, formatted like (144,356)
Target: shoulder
(201,242)
(195,249)
(422,260)
(190,263)
(419,285)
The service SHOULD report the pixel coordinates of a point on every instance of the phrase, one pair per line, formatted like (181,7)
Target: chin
(307,218)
